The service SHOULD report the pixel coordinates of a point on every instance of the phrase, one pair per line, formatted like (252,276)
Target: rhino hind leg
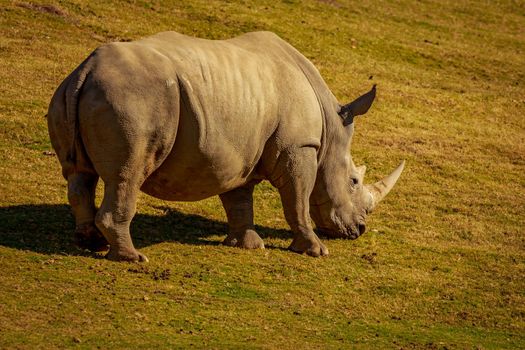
(238,205)
(114,219)
(119,204)
(295,178)
(81,196)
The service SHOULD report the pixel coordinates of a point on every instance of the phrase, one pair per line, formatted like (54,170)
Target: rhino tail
(62,119)
(72,94)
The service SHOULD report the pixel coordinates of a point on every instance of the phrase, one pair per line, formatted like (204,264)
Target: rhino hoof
(230,241)
(132,256)
(248,240)
(312,247)
(87,236)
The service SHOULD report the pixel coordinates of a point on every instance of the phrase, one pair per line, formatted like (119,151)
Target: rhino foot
(248,240)
(88,236)
(311,246)
(126,255)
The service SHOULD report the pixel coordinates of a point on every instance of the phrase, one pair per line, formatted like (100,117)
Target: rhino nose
(362,228)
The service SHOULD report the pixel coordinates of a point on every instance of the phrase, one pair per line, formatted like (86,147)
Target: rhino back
(206,109)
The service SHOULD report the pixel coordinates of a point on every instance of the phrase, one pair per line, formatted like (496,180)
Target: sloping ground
(443,265)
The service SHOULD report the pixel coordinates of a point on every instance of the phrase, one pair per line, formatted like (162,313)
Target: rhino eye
(355,181)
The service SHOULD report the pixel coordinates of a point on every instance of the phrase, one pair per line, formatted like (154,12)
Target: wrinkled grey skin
(183,118)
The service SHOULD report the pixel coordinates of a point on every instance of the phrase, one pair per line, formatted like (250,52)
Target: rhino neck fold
(334,165)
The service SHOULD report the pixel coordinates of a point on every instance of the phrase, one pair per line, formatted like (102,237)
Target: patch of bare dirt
(333,3)
(52,9)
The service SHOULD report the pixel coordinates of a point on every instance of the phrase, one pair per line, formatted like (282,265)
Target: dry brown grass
(443,265)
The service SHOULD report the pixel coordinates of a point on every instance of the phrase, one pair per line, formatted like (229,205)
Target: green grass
(442,267)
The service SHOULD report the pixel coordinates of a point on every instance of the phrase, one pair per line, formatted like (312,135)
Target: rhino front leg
(238,205)
(81,195)
(114,219)
(296,174)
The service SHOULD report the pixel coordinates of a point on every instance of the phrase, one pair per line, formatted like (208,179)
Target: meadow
(443,263)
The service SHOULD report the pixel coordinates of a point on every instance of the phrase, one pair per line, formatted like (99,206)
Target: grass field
(443,263)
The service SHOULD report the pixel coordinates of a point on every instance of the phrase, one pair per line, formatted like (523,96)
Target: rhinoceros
(183,119)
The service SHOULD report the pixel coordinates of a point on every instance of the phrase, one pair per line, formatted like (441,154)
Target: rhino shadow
(48,229)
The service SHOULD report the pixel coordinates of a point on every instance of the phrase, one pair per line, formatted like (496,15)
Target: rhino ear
(357,107)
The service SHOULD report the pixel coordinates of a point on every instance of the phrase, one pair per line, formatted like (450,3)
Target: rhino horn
(357,107)
(380,189)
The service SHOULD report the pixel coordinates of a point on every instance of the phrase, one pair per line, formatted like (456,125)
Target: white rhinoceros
(183,118)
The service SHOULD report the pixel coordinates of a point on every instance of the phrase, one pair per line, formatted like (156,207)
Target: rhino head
(340,201)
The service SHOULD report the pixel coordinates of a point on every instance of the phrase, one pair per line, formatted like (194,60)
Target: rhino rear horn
(380,189)
(357,107)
